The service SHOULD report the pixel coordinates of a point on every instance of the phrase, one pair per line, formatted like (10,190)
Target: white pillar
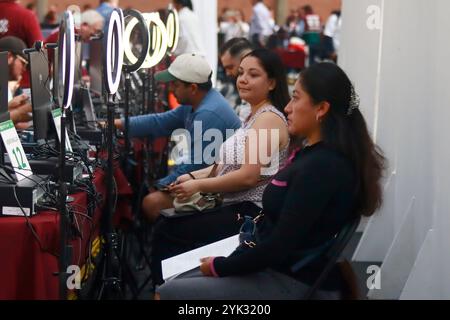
(206,11)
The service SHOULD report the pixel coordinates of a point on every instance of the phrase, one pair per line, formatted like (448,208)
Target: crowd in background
(303,29)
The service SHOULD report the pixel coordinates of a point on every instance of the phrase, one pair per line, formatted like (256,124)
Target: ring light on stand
(66,60)
(132,64)
(112,70)
(66,63)
(173,29)
(113,58)
(136,20)
(158,40)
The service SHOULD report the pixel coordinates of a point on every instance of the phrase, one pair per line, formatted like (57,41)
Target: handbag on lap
(200,201)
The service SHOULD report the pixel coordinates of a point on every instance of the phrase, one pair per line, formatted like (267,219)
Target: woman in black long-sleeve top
(333,178)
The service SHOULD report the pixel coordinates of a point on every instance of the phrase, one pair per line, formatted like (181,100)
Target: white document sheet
(191,259)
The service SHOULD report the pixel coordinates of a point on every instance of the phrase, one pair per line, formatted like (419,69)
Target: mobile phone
(162,187)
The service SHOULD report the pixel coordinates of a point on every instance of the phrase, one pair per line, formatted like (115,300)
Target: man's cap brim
(164,76)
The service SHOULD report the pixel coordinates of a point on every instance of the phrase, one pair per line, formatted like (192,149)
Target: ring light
(136,20)
(173,29)
(66,60)
(158,40)
(113,59)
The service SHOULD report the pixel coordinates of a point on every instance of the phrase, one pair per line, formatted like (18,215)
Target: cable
(30,226)
(38,183)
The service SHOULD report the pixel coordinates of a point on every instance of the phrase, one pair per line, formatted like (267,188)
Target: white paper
(57,120)
(191,259)
(15,150)
(15,211)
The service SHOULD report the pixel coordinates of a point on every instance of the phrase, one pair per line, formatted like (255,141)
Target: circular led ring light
(159,40)
(173,29)
(137,19)
(113,59)
(66,60)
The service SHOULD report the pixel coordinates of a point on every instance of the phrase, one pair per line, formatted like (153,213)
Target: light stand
(4,114)
(66,44)
(134,65)
(112,68)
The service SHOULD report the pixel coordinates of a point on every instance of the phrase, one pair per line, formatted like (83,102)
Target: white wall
(406,101)
(206,10)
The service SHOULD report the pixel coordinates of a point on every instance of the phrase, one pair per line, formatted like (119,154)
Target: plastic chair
(332,254)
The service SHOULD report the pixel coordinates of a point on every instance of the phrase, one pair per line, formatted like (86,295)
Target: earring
(318,119)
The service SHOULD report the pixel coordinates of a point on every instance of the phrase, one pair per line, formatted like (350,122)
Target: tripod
(111,282)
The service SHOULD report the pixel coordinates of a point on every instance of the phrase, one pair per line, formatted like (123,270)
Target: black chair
(332,255)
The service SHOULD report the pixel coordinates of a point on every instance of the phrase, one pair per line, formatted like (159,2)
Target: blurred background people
(234,25)
(19,105)
(17,21)
(106,7)
(261,26)
(190,40)
(331,36)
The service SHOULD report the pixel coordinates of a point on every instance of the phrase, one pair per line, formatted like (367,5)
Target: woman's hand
(183,178)
(185,190)
(205,266)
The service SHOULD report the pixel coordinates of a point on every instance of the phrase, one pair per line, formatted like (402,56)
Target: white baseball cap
(188,67)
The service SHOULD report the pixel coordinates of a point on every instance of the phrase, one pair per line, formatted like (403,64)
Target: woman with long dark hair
(334,178)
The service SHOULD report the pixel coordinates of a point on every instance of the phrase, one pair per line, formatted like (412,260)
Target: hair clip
(354,102)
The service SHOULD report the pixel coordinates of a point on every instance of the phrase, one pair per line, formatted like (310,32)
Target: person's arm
(248,175)
(157,124)
(308,194)
(198,174)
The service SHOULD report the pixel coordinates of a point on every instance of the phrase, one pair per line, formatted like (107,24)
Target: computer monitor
(41,98)
(83,108)
(4,113)
(95,67)
(88,108)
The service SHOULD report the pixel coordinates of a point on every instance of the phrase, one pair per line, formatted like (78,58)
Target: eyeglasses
(21,59)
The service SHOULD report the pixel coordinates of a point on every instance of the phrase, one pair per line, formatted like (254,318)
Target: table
(27,268)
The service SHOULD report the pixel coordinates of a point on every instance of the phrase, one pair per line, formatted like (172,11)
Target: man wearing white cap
(190,80)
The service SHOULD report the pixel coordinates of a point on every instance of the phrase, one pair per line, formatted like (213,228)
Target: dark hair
(347,133)
(236,47)
(202,86)
(308,9)
(205,86)
(274,68)
(185,3)
(337,13)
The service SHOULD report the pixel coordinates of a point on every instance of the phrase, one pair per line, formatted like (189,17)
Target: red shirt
(53,38)
(19,22)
